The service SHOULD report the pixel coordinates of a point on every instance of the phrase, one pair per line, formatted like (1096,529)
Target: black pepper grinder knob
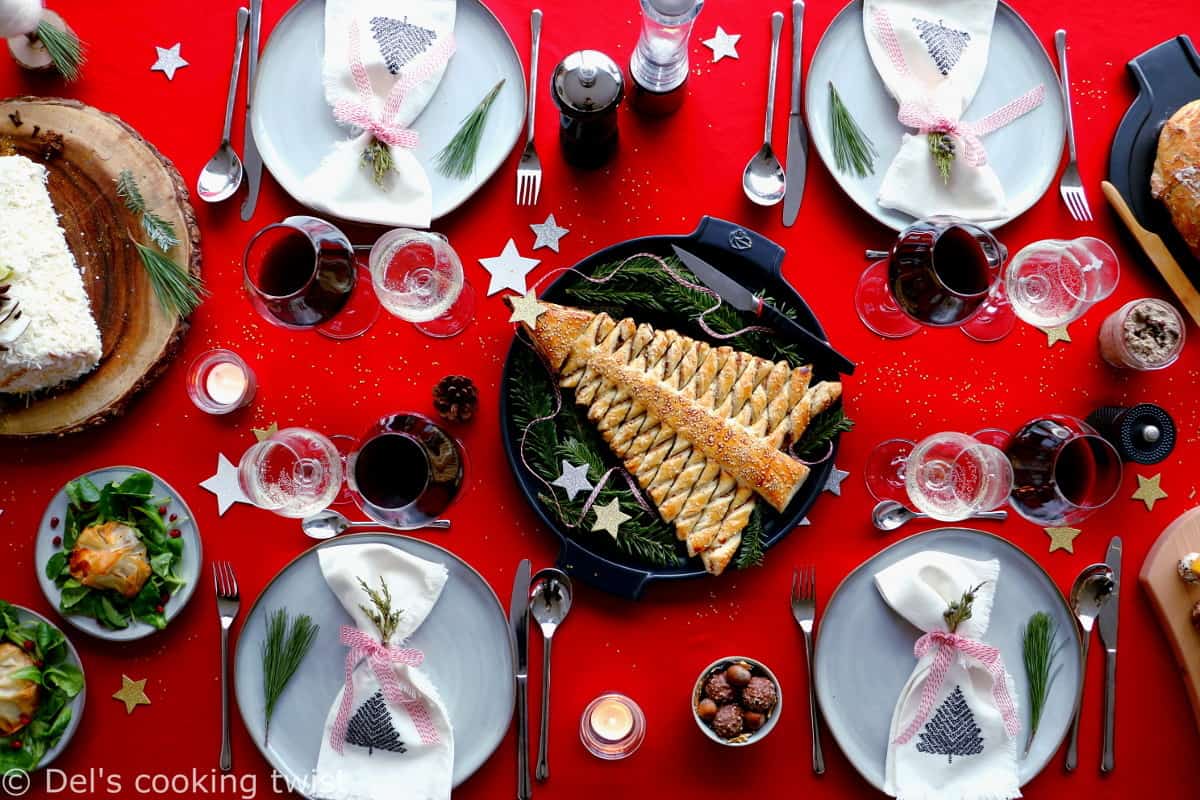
(1144,434)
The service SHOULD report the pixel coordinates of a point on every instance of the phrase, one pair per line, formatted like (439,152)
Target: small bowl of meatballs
(736,701)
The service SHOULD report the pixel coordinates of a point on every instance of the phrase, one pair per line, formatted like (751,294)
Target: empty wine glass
(951,476)
(884,472)
(1063,470)
(942,272)
(1055,281)
(294,473)
(419,278)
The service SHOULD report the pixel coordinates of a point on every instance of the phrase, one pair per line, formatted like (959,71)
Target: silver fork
(529,170)
(1071,185)
(228,604)
(804,609)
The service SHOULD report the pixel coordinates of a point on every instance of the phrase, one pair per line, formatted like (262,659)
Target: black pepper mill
(1144,434)
(587,87)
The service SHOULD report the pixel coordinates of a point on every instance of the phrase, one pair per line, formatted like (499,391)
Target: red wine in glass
(1063,470)
(391,470)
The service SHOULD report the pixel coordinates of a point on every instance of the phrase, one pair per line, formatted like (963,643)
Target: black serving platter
(1167,77)
(742,254)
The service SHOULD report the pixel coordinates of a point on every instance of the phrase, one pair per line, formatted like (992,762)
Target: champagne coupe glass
(419,278)
(1055,281)
(942,272)
(951,476)
(1063,470)
(295,473)
(301,274)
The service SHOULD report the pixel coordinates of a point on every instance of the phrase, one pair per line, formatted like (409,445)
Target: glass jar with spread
(1145,334)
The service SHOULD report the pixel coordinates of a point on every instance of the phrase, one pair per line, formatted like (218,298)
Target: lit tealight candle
(220,382)
(612,727)
(226,383)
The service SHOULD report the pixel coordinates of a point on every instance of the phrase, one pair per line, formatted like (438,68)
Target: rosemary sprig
(64,48)
(378,159)
(853,150)
(959,611)
(381,613)
(179,291)
(941,147)
(1037,645)
(287,642)
(457,159)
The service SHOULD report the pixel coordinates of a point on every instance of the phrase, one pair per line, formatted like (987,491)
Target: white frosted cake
(55,339)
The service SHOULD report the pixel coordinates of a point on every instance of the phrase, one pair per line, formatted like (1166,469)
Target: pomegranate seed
(15,744)
(162,511)
(54,522)
(164,599)
(173,517)
(175,534)
(159,609)
(28,645)
(57,541)
(37,662)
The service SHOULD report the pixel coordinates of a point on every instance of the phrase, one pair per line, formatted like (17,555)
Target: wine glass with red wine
(941,272)
(302,274)
(1063,470)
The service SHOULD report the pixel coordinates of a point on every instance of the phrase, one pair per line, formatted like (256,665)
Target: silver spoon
(1091,591)
(222,175)
(888,515)
(550,602)
(764,181)
(329,523)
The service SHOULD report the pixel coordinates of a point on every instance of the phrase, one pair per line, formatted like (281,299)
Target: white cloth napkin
(963,751)
(388,750)
(931,55)
(405,42)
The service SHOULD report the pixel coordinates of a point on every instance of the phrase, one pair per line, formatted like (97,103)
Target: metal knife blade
(518,617)
(741,298)
(797,143)
(1110,613)
(251,159)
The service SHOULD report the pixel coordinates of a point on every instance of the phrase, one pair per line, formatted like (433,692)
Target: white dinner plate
(189,566)
(1025,153)
(294,127)
(864,649)
(465,639)
(24,616)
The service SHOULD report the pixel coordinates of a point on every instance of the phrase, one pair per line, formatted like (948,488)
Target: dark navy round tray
(754,261)
(1167,77)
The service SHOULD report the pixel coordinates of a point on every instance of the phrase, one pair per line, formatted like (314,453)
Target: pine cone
(455,398)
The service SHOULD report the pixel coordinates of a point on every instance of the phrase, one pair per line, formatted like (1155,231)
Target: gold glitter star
(132,694)
(526,309)
(262,434)
(1062,538)
(1148,491)
(1056,334)
(609,518)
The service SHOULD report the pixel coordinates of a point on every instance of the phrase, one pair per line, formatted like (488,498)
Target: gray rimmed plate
(294,126)
(465,639)
(1025,154)
(189,568)
(857,694)
(25,615)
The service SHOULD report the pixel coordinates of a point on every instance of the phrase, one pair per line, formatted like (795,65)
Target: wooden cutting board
(1173,599)
(139,337)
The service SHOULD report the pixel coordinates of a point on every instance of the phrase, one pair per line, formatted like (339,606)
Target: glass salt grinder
(659,64)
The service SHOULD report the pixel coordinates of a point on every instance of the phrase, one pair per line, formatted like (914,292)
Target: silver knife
(797,146)
(1109,616)
(741,298)
(518,620)
(250,157)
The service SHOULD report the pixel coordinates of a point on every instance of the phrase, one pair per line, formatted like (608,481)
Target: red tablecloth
(667,174)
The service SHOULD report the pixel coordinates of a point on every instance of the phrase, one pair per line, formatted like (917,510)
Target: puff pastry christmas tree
(700,427)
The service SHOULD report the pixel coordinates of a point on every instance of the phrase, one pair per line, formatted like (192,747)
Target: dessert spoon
(222,175)
(764,181)
(888,515)
(329,523)
(550,603)
(1091,591)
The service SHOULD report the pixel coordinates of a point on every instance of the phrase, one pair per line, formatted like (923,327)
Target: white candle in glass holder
(219,382)
(226,383)
(612,727)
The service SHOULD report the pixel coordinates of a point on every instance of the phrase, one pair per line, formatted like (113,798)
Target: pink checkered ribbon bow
(948,646)
(381,124)
(922,116)
(382,660)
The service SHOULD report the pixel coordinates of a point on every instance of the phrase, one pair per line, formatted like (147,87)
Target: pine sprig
(1039,652)
(753,548)
(385,618)
(853,150)
(457,159)
(178,290)
(821,429)
(286,644)
(959,611)
(65,49)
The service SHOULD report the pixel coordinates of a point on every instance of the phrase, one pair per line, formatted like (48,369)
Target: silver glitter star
(169,60)
(609,518)
(834,483)
(548,234)
(573,479)
(723,44)
(225,486)
(508,270)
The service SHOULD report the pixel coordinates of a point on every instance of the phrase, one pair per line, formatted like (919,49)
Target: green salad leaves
(59,682)
(131,503)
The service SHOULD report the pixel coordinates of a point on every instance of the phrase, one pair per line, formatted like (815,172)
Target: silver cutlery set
(1095,599)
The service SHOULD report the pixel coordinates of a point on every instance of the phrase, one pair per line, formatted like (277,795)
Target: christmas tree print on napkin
(952,731)
(371,727)
(945,45)
(400,41)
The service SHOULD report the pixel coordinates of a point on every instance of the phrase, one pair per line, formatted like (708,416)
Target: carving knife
(797,144)
(250,157)
(1109,615)
(518,620)
(741,298)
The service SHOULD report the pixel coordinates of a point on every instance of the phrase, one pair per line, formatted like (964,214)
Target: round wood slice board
(139,337)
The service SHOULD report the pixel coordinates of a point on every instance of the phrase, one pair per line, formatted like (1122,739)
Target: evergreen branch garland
(457,159)
(753,548)
(821,429)
(178,290)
